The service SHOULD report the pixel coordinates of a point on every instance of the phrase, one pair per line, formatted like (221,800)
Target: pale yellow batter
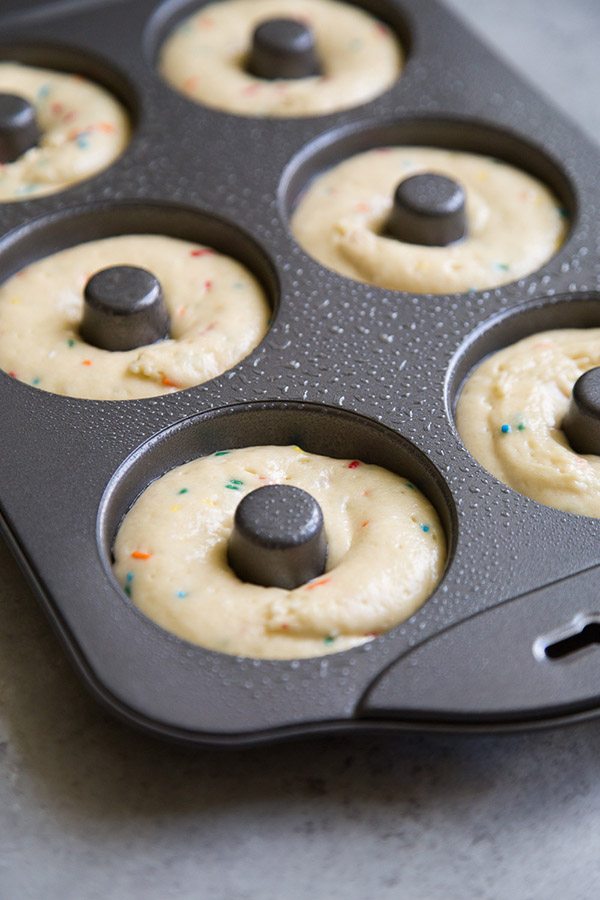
(83,130)
(218,314)
(386,555)
(205,58)
(510,413)
(514,223)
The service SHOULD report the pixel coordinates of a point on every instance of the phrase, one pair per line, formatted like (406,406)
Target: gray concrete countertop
(90,809)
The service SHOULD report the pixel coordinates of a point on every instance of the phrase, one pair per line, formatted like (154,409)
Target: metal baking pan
(346,369)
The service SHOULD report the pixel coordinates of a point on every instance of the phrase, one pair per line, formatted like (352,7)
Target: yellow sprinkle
(208,501)
(297,448)
(176,507)
(16,301)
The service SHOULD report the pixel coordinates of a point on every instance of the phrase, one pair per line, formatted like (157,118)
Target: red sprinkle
(12,374)
(57,108)
(202,251)
(208,284)
(354,464)
(140,554)
(316,584)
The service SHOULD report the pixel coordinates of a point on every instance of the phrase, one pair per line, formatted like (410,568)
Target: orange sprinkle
(106,127)
(362,207)
(190,83)
(365,523)
(140,554)
(168,383)
(87,362)
(316,584)
(12,374)
(181,310)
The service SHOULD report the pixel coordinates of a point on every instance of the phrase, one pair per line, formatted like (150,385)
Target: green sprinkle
(36,380)
(425,528)
(504,267)
(222,452)
(505,429)
(238,286)
(236,481)
(564,213)
(183,491)
(329,639)
(520,427)
(410,485)
(43,91)
(71,342)
(127,590)
(234,484)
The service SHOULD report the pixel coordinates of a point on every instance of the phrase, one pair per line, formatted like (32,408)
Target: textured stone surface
(90,809)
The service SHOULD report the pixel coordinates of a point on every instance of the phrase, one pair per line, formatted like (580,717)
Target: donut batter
(83,130)
(386,555)
(510,412)
(205,57)
(514,223)
(218,314)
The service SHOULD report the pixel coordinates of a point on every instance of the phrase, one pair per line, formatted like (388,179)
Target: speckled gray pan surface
(346,370)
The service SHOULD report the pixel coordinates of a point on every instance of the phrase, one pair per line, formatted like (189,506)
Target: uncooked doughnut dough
(205,58)
(386,555)
(218,315)
(514,223)
(83,130)
(510,412)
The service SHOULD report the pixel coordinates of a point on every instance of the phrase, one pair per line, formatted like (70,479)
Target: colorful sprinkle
(181,594)
(168,383)
(12,374)
(329,639)
(316,584)
(505,429)
(222,452)
(140,554)
(521,427)
(202,251)
(44,91)
(503,267)
(564,213)
(234,484)
(425,528)
(410,485)
(129,577)
(183,491)
(36,380)
(71,342)
(354,464)
(87,362)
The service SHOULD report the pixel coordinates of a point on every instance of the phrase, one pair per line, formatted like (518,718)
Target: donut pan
(509,639)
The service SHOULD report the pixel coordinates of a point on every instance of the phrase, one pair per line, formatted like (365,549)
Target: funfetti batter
(514,222)
(510,413)
(218,314)
(205,58)
(83,130)
(386,554)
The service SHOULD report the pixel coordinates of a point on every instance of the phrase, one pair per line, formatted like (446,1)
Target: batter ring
(205,58)
(386,555)
(83,130)
(218,314)
(514,223)
(510,413)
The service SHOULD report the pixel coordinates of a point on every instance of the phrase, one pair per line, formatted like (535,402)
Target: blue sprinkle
(129,577)
(83,142)
(43,92)
(36,380)
(181,594)
(505,429)
(425,528)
